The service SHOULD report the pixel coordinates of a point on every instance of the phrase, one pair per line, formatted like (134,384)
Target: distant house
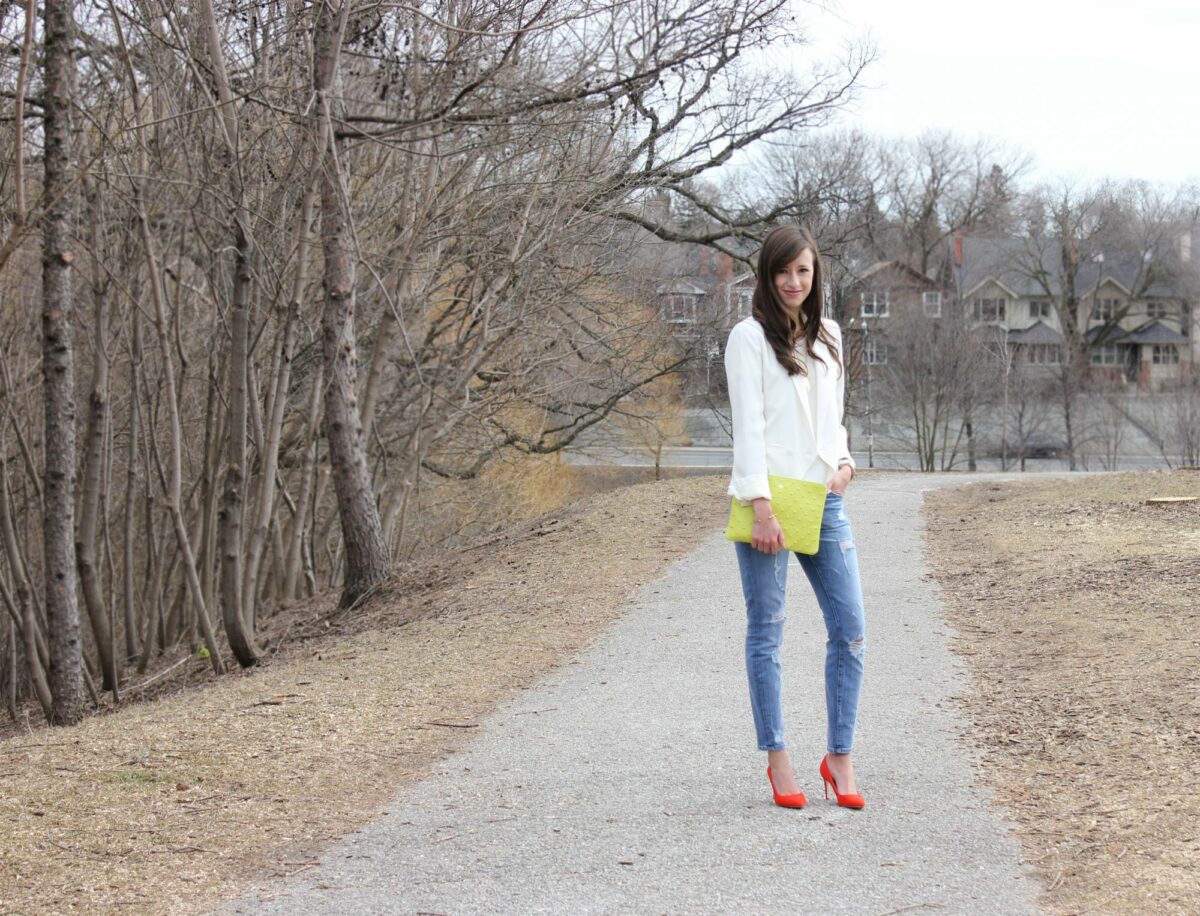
(699,300)
(878,296)
(889,288)
(695,295)
(1144,337)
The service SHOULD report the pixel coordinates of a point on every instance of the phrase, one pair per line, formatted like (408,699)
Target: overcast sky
(1091,88)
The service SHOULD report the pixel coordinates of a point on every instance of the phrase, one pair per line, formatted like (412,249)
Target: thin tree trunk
(295,554)
(208,561)
(131,487)
(92,477)
(19,112)
(58,374)
(233,613)
(239,633)
(175,484)
(270,461)
(23,601)
(10,692)
(374,382)
(367,560)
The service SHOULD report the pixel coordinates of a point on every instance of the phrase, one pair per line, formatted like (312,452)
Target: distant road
(721,458)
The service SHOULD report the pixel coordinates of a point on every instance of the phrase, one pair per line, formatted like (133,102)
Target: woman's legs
(833,574)
(764,581)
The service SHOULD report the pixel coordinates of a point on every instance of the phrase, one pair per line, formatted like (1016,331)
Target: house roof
(683,287)
(1153,333)
(1037,333)
(900,266)
(1017,263)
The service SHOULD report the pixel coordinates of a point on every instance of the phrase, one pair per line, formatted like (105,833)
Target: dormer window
(1156,310)
(1106,309)
(745,302)
(681,308)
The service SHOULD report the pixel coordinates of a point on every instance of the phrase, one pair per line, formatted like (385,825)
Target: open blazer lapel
(801,384)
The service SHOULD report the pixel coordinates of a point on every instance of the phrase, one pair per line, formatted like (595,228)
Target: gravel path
(629,782)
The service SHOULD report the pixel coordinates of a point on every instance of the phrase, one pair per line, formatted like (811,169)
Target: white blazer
(774,430)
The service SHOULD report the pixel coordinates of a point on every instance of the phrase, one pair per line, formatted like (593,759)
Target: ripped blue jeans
(833,573)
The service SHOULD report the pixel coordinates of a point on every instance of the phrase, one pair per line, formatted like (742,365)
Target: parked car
(1044,445)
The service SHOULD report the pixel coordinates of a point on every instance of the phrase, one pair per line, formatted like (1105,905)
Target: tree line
(296,264)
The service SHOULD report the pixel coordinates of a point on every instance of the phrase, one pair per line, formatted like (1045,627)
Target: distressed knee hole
(846,545)
(856,646)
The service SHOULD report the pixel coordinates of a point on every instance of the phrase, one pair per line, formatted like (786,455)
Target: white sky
(1091,89)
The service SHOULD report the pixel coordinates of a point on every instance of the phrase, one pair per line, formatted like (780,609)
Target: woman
(786,380)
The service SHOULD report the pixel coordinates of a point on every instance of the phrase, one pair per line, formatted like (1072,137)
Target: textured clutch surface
(799,506)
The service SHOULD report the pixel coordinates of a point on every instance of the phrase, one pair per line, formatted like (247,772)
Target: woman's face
(794,280)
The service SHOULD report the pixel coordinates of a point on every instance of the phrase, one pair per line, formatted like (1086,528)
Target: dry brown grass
(1078,609)
(172,805)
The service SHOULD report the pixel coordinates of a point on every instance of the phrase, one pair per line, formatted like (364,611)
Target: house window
(990,309)
(1105,355)
(1039,309)
(1043,354)
(745,301)
(681,308)
(1156,310)
(932,301)
(873,353)
(1106,309)
(875,304)
(1165,355)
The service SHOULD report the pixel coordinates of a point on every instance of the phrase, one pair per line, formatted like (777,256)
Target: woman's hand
(766,535)
(840,480)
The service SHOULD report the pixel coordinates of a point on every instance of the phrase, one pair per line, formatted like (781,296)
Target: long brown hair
(782,246)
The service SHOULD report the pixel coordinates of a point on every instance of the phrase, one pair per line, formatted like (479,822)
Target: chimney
(958,248)
(1185,247)
(705,254)
(724,267)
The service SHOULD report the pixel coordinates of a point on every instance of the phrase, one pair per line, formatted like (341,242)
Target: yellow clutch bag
(798,505)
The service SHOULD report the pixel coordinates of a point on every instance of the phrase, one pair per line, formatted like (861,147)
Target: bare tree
(502,156)
(936,369)
(1064,226)
(935,185)
(58,371)
(367,557)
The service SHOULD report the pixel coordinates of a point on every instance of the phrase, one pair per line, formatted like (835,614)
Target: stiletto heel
(846,800)
(795,800)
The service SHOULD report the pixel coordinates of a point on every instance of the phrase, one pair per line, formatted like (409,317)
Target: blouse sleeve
(744,375)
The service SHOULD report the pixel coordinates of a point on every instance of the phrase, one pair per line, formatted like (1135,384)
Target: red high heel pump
(795,800)
(846,800)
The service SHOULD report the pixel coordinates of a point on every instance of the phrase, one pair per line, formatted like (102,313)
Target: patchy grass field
(173,804)
(1078,609)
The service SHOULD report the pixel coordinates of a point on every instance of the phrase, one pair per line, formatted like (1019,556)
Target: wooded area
(323,284)
(236,205)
